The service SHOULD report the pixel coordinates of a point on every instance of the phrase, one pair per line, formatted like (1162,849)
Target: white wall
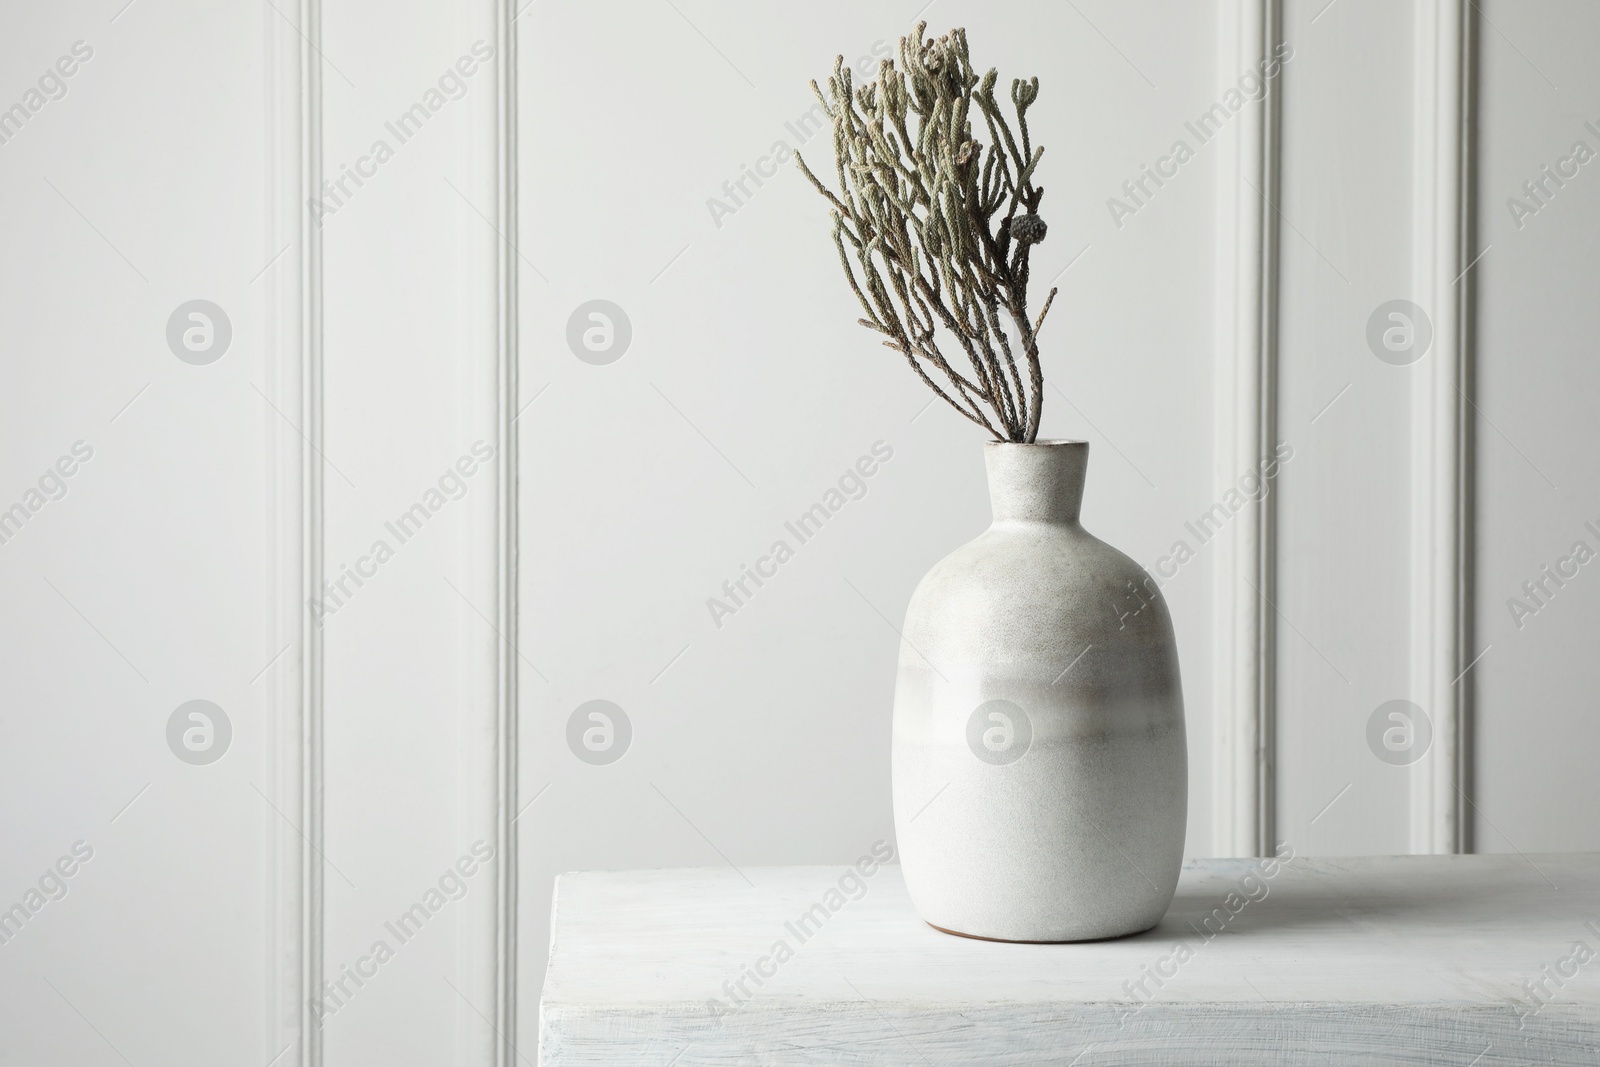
(410,359)
(1359,112)
(147,584)
(1344,632)
(1537,734)
(365,761)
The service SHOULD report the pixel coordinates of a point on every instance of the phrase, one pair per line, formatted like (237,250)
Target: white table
(1382,960)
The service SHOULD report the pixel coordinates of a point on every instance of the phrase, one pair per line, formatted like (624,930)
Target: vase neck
(1041,482)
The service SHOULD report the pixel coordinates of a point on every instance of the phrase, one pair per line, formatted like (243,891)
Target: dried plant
(940,226)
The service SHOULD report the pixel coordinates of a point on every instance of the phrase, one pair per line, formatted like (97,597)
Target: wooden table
(1463,960)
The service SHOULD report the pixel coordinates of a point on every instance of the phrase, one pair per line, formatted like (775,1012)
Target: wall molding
(507,500)
(1443,254)
(1245,402)
(292,306)
(312,426)
(295,302)
(311,423)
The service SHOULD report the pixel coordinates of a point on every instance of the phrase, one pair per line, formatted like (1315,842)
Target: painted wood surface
(1479,960)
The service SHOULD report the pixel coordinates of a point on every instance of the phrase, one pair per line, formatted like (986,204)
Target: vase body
(1040,773)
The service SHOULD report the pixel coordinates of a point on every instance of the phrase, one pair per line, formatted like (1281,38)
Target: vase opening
(1039,482)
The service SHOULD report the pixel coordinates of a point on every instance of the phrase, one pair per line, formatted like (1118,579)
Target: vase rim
(1054,442)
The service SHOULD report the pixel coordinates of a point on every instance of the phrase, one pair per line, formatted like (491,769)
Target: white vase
(1039,762)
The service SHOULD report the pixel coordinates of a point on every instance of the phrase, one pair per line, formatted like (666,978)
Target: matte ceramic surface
(1039,761)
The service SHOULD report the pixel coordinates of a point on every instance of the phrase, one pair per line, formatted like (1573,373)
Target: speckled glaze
(1039,763)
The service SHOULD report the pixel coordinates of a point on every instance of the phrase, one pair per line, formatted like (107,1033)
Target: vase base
(1044,941)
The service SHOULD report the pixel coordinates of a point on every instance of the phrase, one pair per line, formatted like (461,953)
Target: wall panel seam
(311,415)
(1245,412)
(1466,472)
(1441,474)
(507,533)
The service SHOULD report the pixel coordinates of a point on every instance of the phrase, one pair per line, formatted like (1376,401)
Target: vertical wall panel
(1344,498)
(157,564)
(1538,487)
(411,222)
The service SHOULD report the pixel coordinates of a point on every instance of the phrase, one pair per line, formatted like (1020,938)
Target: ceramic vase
(1039,764)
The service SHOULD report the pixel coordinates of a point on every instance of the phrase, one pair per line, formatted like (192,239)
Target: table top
(1480,960)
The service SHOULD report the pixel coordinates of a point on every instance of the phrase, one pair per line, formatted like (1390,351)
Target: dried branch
(934,229)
